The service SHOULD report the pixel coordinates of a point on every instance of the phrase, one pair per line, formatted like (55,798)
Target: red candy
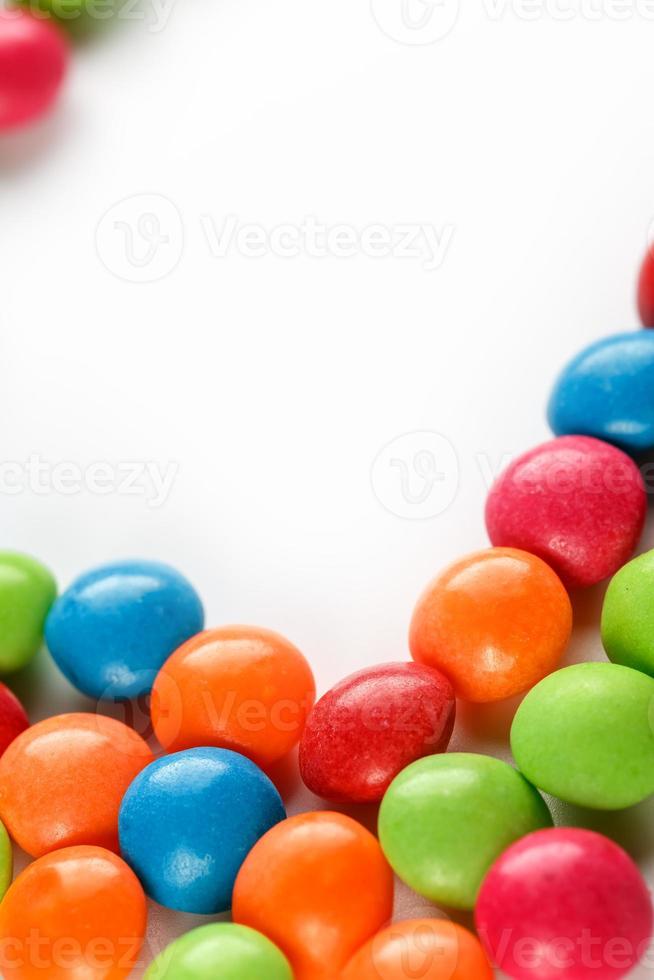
(13,719)
(33,62)
(564,903)
(576,502)
(369,727)
(646,290)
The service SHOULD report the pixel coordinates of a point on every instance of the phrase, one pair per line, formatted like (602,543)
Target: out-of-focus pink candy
(34,56)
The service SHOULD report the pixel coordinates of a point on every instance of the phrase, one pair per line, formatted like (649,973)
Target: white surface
(270,384)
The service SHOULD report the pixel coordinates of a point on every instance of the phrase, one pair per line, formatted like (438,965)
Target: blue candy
(114,627)
(189,820)
(607,391)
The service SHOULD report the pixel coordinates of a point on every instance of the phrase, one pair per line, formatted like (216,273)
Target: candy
(240,687)
(76,914)
(494,622)
(188,821)
(13,719)
(369,727)
(607,391)
(428,949)
(62,781)
(646,290)
(221,951)
(564,903)
(628,615)
(445,819)
(33,62)
(577,503)
(584,734)
(114,627)
(6,860)
(27,590)
(318,886)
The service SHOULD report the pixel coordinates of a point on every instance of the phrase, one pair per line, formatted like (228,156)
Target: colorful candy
(628,615)
(369,727)
(188,821)
(62,781)
(318,886)
(6,860)
(221,951)
(423,949)
(445,819)
(577,503)
(646,290)
(114,627)
(607,391)
(33,62)
(27,590)
(239,687)
(76,914)
(566,904)
(13,719)
(494,622)
(584,734)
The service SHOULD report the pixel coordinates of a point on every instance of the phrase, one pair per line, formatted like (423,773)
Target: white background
(271,384)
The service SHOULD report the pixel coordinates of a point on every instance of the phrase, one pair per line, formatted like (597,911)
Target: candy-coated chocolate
(369,727)
(27,590)
(576,502)
(34,57)
(646,290)
(628,615)
(13,719)
(114,627)
(564,903)
(319,887)
(220,951)
(239,687)
(62,781)
(76,914)
(445,819)
(188,821)
(585,734)
(607,391)
(494,622)
(428,949)
(6,860)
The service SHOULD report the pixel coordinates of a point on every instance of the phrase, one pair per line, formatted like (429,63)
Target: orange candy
(495,622)
(319,887)
(432,949)
(62,781)
(76,914)
(239,687)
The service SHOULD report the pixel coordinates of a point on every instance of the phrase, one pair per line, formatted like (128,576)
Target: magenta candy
(564,904)
(33,63)
(13,718)
(576,502)
(372,725)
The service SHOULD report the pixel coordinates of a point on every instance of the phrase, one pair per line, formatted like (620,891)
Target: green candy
(445,819)
(6,861)
(27,590)
(628,615)
(221,951)
(584,734)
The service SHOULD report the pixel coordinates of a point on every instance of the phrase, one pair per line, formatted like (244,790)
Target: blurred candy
(6,860)
(27,589)
(76,914)
(445,819)
(628,615)
(607,391)
(369,727)
(33,61)
(564,903)
(318,886)
(114,627)
(428,949)
(13,719)
(494,622)
(646,289)
(188,821)
(220,951)
(62,781)
(577,503)
(584,734)
(239,687)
